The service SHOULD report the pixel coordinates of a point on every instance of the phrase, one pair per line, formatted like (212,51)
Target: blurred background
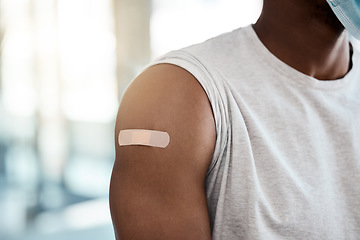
(64,65)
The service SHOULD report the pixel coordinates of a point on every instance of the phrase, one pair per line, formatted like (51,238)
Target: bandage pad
(143,137)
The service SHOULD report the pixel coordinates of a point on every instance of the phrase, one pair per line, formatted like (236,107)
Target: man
(264,126)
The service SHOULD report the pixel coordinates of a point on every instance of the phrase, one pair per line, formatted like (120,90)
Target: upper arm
(159,193)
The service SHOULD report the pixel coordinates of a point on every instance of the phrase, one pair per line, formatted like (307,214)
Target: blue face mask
(348,12)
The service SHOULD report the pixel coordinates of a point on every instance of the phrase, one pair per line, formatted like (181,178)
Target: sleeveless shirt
(286,163)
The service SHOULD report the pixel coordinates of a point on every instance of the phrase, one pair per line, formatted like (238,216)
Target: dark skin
(160,193)
(307,36)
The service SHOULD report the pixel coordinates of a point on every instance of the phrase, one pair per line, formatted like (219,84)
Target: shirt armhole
(213,85)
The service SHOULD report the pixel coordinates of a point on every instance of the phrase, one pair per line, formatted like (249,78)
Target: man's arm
(159,193)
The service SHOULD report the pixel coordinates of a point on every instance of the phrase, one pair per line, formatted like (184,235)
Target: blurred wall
(64,65)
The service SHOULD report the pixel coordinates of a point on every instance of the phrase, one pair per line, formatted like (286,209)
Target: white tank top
(287,157)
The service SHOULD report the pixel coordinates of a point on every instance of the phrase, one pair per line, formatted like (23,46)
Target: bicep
(158,193)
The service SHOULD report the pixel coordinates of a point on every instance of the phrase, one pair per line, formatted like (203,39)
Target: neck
(308,37)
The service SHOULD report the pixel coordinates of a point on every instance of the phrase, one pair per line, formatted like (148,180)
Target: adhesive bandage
(143,137)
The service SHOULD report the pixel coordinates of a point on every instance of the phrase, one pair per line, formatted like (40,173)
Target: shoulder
(165,97)
(219,44)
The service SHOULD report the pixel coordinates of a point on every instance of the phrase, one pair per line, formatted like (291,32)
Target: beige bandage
(143,137)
